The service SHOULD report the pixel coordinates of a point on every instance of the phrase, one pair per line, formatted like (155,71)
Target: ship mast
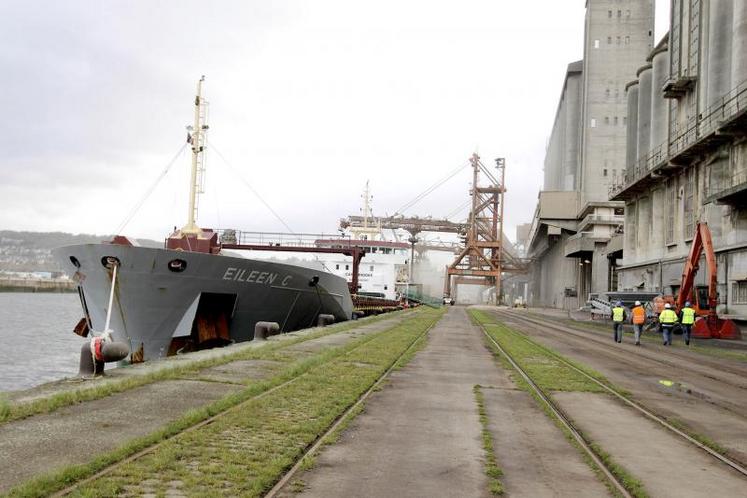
(197,138)
(367,230)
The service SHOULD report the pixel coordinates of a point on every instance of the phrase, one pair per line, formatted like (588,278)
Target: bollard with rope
(102,347)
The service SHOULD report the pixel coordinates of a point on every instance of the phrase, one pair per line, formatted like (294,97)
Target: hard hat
(687,303)
(637,303)
(667,306)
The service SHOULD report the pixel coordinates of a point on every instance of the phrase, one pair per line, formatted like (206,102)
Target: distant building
(573,238)
(687,153)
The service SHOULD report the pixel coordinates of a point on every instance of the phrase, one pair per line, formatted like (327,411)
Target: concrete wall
(613,49)
(562,154)
(551,274)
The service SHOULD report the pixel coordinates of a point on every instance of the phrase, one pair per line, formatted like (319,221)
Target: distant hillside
(32,251)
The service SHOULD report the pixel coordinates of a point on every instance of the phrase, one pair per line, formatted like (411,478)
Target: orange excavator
(708,325)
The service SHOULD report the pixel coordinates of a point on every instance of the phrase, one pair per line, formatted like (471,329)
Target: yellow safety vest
(688,316)
(668,317)
(617,314)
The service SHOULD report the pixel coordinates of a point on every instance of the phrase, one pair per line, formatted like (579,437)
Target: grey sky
(308,100)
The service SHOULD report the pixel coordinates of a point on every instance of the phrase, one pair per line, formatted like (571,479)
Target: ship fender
(263,330)
(324,320)
(95,354)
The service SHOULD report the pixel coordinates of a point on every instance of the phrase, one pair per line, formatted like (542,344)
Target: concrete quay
(78,433)
(422,433)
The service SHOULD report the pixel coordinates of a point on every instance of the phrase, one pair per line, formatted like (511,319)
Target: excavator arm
(710,326)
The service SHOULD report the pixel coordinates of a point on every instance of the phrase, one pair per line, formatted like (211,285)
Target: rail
(625,399)
(562,418)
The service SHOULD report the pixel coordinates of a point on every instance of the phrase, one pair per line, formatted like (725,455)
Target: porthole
(177,265)
(110,262)
(75,261)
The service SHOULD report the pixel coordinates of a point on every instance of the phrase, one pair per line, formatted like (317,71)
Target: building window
(615,120)
(370,268)
(596,43)
(625,120)
(337,267)
(739,292)
(604,172)
(619,14)
(606,120)
(609,40)
(618,40)
(593,123)
(627,40)
(627,14)
(347,267)
(609,14)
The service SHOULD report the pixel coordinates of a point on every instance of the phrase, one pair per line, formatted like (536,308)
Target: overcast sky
(308,101)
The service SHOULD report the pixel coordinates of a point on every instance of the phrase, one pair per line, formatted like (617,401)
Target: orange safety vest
(639,315)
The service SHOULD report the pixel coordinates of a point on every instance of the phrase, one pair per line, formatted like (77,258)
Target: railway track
(684,354)
(706,368)
(643,411)
(733,379)
(285,479)
(563,419)
(116,465)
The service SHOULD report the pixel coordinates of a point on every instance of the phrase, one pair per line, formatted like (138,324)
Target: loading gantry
(480,261)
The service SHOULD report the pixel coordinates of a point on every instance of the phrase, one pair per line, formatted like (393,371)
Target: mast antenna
(197,138)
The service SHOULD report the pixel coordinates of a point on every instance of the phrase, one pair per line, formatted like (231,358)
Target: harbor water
(38,344)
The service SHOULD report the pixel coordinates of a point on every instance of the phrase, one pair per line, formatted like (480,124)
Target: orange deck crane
(708,325)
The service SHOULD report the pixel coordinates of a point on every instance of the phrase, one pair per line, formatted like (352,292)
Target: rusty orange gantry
(480,262)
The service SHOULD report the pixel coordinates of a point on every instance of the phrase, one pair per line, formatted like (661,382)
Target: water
(37,343)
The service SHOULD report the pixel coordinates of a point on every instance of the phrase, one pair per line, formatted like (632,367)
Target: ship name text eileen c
(254,276)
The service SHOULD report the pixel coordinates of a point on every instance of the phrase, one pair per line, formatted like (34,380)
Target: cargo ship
(191,294)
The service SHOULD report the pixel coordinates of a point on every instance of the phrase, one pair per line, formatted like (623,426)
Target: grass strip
(492,470)
(525,357)
(15,411)
(247,449)
(544,368)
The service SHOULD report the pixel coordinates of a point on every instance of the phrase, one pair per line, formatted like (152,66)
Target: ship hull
(156,300)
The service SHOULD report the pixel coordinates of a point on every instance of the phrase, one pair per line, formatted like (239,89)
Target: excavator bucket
(716,328)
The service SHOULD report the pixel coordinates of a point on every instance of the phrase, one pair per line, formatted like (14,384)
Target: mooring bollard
(325,320)
(95,353)
(262,330)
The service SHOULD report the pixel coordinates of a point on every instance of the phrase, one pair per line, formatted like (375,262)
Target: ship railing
(270,239)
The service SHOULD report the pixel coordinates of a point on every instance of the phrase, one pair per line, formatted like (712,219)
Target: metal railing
(231,236)
(728,106)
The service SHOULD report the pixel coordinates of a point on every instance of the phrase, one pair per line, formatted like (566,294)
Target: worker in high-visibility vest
(667,319)
(618,317)
(639,318)
(687,318)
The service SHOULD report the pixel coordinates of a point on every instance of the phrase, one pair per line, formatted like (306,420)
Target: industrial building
(574,238)
(686,158)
